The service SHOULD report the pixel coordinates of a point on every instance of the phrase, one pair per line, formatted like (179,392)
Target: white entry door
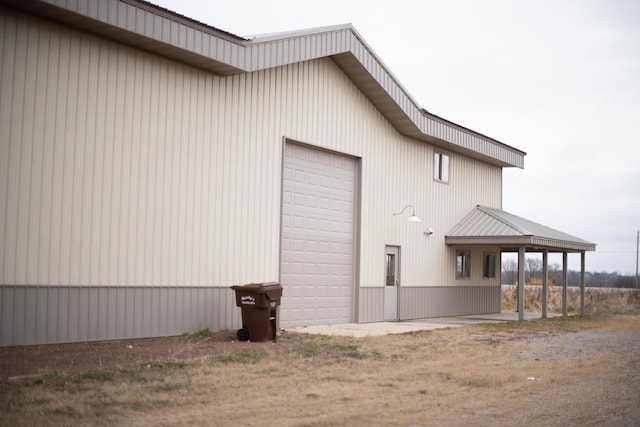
(392,281)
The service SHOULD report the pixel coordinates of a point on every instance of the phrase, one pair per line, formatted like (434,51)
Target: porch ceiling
(488,226)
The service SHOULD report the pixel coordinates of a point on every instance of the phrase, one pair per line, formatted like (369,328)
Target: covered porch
(485,226)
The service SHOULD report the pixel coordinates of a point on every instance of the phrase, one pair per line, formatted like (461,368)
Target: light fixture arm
(413,217)
(413,211)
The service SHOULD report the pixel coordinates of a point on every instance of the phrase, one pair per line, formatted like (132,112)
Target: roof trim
(146,26)
(489,226)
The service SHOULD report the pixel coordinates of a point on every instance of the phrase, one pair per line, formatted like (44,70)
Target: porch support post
(565,279)
(545,280)
(521,283)
(582,268)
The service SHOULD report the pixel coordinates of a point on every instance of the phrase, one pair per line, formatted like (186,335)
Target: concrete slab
(359,330)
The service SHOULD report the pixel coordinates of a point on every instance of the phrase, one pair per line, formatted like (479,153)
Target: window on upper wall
(489,266)
(463,265)
(441,167)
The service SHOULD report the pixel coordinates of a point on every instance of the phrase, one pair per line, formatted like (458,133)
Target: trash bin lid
(273,290)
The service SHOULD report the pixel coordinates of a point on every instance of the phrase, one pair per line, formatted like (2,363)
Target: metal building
(148,162)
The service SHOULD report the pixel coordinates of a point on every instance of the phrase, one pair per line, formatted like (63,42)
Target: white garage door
(317,237)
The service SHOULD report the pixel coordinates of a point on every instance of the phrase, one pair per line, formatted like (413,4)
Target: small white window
(463,265)
(441,167)
(489,266)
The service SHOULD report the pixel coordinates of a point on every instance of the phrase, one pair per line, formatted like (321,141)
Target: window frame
(441,167)
(486,263)
(463,269)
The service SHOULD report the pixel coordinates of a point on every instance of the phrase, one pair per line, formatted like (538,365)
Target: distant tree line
(533,275)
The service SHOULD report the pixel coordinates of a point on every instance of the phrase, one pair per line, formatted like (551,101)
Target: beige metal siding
(118,167)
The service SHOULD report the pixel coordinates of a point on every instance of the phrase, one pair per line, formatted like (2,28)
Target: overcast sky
(559,80)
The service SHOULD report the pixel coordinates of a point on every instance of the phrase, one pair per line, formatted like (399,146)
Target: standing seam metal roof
(489,226)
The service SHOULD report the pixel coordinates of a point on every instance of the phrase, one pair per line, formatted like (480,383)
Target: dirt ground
(26,363)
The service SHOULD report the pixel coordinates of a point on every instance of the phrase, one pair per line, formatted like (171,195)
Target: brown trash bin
(259,305)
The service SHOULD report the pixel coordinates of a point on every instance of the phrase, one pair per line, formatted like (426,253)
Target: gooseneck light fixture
(413,217)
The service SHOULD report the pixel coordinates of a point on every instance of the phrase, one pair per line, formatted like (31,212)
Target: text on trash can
(248,300)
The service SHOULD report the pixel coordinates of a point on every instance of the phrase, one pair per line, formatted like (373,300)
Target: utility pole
(637,247)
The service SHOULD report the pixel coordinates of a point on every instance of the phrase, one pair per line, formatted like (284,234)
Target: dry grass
(607,300)
(477,375)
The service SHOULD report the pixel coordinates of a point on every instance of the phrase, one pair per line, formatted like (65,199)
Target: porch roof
(489,226)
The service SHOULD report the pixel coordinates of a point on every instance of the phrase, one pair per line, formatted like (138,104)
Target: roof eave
(530,242)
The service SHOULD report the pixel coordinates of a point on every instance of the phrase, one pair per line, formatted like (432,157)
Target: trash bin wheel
(242,334)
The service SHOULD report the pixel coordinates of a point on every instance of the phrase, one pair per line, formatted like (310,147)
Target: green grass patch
(163,364)
(327,346)
(244,357)
(58,380)
(98,376)
(197,336)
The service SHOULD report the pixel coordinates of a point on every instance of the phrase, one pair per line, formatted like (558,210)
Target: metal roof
(488,226)
(162,32)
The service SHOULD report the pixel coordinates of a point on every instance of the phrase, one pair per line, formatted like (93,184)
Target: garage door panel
(317,237)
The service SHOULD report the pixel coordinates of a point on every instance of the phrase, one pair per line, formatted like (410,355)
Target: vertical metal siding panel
(8,190)
(62,311)
(73,319)
(35,165)
(45,229)
(187,312)
(194,313)
(98,296)
(131,312)
(198,40)
(200,299)
(20,309)
(49,306)
(160,316)
(8,313)
(201,188)
(143,298)
(219,175)
(20,151)
(371,304)
(207,307)
(170,308)
(169,205)
(140,23)
(194,206)
(30,314)
(151,300)
(147,298)
(179,310)
(208,183)
(93,311)
(181,180)
(147,135)
(126,307)
(38,318)
(124,14)
(178,307)
(93,9)
(110,310)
